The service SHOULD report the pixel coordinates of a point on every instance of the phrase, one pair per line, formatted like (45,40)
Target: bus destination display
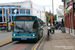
(24,18)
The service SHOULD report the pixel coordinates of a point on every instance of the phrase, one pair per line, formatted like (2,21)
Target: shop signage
(63,8)
(60,14)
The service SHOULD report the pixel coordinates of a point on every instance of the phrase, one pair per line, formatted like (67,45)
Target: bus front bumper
(14,38)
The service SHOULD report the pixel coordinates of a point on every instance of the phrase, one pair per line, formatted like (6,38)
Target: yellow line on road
(36,45)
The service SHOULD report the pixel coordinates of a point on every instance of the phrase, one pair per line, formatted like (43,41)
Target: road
(5,34)
(22,45)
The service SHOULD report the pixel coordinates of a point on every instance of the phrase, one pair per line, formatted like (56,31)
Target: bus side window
(39,24)
(34,24)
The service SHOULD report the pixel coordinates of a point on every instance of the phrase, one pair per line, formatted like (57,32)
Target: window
(3,11)
(22,11)
(0,11)
(0,15)
(24,26)
(0,18)
(9,14)
(9,18)
(4,18)
(16,11)
(27,11)
(12,18)
(42,11)
(9,11)
(74,0)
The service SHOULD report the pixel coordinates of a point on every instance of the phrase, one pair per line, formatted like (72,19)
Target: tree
(55,17)
(47,17)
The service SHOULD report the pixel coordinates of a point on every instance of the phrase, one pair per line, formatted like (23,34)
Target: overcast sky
(46,3)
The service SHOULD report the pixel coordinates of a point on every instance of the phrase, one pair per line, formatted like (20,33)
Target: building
(69,18)
(59,17)
(7,11)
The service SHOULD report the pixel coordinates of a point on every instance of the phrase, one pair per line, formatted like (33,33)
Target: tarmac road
(16,45)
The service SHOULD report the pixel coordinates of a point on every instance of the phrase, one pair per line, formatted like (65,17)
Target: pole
(52,7)
(52,12)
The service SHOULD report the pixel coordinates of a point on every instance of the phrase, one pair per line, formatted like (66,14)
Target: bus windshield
(24,26)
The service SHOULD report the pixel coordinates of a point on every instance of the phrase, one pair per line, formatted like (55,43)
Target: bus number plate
(23,39)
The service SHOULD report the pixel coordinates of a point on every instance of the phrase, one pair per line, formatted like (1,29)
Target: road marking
(36,45)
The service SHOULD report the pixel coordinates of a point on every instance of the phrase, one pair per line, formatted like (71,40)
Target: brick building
(69,18)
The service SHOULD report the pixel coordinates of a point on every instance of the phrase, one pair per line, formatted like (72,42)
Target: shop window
(27,11)
(22,11)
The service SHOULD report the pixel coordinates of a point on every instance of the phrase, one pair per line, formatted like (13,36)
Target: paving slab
(59,41)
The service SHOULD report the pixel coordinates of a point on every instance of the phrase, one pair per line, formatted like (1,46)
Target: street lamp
(52,11)
(52,7)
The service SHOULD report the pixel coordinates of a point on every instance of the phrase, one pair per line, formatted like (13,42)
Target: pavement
(59,41)
(5,37)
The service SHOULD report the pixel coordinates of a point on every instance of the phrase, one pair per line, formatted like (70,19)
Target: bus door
(38,28)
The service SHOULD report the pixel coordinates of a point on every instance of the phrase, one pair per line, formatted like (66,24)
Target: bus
(27,27)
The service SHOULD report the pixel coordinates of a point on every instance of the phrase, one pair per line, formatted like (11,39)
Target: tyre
(52,32)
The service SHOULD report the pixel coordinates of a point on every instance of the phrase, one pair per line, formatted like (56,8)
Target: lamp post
(52,12)
(52,7)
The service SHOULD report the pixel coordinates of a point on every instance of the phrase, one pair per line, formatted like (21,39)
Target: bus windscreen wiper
(20,28)
(28,29)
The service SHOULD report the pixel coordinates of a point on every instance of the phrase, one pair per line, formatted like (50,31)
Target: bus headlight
(14,34)
(33,35)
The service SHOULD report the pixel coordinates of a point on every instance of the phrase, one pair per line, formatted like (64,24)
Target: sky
(46,3)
